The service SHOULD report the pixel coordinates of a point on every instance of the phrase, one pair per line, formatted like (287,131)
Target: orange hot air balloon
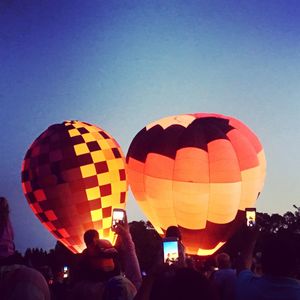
(73,175)
(198,172)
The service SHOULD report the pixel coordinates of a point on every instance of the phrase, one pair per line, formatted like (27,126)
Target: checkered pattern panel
(73,175)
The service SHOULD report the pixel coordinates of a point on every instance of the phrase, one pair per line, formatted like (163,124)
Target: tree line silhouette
(148,243)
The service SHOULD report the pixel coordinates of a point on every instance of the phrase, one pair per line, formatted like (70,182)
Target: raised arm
(129,258)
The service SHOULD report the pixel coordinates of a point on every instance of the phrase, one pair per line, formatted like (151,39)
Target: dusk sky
(124,64)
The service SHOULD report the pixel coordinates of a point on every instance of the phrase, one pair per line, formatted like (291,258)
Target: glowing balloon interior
(73,175)
(198,172)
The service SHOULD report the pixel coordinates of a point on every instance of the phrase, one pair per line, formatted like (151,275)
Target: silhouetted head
(223,260)
(90,237)
(100,260)
(279,255)
(173,231)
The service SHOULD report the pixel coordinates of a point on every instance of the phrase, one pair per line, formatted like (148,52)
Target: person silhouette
(278,261)
(16,281)
(7,246)
(174,232)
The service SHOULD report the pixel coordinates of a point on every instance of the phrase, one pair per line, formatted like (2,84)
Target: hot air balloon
(73,175)
(198,172)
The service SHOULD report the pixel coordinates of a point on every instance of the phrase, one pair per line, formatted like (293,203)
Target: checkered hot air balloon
(73,175)
(198,172)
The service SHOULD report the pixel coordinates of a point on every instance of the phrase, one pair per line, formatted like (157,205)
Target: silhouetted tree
(147,243)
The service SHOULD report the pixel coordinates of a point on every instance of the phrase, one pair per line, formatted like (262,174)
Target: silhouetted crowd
(104,271)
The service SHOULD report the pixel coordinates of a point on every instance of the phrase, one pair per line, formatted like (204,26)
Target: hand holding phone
(65,272)
(170,250)
(250,217)
(118,217)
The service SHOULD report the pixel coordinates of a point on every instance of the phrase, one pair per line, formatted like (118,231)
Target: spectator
(58,287)
(256,264)
(98,262)
(96,266)
(173,232)
(90,238)
(173,283)
(278,265)
(224,278)
(100,268)
(7,247)
(190,263)
(209,267)
(17,282)
(128,255)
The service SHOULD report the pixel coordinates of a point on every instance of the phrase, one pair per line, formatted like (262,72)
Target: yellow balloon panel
(251,183)
(224,199)
(159,199)
(190,204)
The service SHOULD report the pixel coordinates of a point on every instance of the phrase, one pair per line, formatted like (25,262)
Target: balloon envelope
(198,172)
(73,175)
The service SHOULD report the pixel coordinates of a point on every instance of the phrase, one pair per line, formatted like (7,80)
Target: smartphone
(118,217)
(170,250)
(250,217)
(66,272)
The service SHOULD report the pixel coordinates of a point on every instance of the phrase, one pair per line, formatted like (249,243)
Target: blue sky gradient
(124,64)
